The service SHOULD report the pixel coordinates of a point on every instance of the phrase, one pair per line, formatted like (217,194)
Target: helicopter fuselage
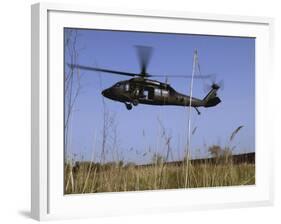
(142,90)
(146,91)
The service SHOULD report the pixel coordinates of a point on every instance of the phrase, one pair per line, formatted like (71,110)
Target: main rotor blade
(144,55)
(89,68)
(183,76)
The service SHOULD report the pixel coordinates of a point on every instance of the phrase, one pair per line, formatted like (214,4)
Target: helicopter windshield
(118,84)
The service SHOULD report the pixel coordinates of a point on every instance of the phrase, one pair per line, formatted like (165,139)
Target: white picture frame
(48,201)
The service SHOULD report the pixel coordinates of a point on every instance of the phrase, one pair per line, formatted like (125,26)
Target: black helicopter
(142,90)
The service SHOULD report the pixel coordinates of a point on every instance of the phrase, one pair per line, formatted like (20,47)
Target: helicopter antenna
(195,63)
(166,80)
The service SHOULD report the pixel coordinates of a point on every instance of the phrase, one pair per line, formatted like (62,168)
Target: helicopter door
(148,93)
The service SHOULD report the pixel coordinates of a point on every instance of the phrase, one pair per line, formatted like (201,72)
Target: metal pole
(195,58)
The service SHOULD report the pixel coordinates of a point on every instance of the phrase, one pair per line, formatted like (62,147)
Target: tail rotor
(211,99)
(214,84)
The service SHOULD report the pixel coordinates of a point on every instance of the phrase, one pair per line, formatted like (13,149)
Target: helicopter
(140,89)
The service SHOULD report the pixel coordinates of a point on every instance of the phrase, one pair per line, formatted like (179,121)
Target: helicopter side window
(165,92)
(157,92)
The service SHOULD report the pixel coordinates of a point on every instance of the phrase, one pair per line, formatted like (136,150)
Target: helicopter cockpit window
(117,84)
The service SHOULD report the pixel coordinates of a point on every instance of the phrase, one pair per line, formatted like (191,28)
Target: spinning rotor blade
(214,84)
(183,76)
(144,55)
(209,87)
(221,85)
(89,68)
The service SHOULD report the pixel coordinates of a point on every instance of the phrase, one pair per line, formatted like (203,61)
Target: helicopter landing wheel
(129,106)
(135,102)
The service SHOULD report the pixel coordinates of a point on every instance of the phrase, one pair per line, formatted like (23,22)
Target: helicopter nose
(105,92)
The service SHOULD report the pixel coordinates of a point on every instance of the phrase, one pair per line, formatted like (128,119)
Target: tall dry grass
(114,177)
(93,177)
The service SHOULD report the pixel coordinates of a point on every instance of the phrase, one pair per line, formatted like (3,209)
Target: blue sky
(137,133)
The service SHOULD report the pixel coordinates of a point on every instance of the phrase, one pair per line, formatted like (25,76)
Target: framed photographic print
(148,111)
